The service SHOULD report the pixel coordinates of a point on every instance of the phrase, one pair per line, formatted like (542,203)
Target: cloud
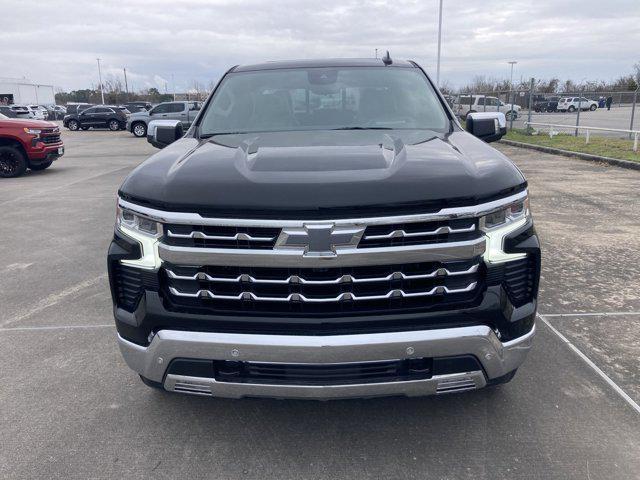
(197,40)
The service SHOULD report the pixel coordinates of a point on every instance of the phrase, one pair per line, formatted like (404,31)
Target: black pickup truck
(325,229)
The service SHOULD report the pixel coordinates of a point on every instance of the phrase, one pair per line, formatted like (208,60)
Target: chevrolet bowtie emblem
(320,240)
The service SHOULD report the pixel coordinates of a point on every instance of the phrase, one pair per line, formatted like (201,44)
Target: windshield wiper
(363,128)
(208,135)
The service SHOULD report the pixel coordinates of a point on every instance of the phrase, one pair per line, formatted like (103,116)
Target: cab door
(87,117)
(159,112)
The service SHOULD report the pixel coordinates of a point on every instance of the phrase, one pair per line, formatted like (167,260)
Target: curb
(583,156)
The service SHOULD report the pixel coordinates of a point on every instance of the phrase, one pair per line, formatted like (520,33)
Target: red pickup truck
(33,144)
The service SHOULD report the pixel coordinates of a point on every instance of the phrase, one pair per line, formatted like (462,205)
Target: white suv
(570,104)
(465,104)
(39,112)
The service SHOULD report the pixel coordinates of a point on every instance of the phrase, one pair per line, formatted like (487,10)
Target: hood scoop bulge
(318,158)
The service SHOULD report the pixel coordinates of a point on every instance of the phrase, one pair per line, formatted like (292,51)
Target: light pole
(512,63)
(376,53)
(439,45)
(100,77)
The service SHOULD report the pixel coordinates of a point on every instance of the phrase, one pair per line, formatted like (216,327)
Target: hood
(19,122)
(322,174)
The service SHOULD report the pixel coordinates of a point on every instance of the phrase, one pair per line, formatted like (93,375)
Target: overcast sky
(57,41)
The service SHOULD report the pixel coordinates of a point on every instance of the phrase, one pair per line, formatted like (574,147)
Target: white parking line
(54,327)
(590,314)
(53,299)
(593,366)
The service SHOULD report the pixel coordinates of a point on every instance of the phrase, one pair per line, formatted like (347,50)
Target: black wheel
(114,125)
(41,166)
(152,384)
(12,162)
(510,114)
(572,108)
(593,107)
(73,125)
(139,129)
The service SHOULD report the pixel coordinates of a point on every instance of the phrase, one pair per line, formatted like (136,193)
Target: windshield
(324,99)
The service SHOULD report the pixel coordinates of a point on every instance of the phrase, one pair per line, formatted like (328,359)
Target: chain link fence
(602,109)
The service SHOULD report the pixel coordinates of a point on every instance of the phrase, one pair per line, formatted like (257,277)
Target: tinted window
(465,100)
(162,108)
(175,107)
(90,110)
(324,99)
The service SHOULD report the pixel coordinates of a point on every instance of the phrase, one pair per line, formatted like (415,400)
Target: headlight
(32,131)
(506,216)
(497,225)
(139,223)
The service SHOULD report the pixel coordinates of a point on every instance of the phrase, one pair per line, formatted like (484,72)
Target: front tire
(41,166)
(73,125)
(593,108)
(510,114)
(139,130)
(572,109)
(12,162)
(114,125)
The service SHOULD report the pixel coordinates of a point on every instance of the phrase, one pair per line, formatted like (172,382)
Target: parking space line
(54,327)
(593,366)
(590,314)
(53,299)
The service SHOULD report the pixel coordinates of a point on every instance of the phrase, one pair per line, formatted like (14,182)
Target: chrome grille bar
(405,234)
(295,279)
(297,297)
(203,236)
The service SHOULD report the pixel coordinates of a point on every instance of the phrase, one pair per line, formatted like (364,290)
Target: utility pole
(126,86)
(173,87)
(100,77)
(439,45)
(376,53)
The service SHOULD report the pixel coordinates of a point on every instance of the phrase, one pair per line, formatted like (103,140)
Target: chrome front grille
(205,236)
(416,233)
(323,290)
(384,235)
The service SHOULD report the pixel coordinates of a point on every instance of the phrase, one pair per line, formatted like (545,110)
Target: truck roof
(322,63)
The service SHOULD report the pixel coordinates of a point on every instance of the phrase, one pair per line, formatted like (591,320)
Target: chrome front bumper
(497,359)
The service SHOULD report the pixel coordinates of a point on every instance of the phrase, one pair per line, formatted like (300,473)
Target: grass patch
(603,146)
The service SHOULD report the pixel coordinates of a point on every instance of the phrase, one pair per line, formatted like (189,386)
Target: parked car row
(565,104)
(36,112)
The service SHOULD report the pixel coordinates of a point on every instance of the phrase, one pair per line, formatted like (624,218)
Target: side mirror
(487,126)
(161,133)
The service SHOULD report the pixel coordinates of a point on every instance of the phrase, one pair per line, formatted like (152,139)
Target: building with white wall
(22,91)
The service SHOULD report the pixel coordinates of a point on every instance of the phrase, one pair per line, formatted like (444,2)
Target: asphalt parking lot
(618,117)
(70,408)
